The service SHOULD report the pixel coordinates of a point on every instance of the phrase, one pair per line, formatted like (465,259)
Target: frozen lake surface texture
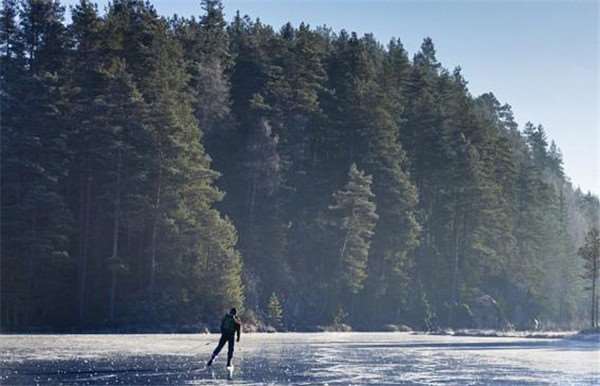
(297,359)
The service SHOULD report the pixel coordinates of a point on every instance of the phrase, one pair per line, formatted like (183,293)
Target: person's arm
(238,328)
(222,324)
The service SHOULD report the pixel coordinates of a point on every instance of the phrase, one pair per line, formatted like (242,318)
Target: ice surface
(299,359)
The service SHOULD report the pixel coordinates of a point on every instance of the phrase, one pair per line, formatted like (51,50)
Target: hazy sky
(541,57)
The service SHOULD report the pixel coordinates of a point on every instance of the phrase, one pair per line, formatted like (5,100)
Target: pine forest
(158,170)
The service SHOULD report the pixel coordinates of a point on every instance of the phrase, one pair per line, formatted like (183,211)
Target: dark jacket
(230,325)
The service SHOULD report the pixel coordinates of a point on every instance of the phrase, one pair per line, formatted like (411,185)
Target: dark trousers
(230,339)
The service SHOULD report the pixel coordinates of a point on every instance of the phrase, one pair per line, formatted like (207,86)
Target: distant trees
(590,252)
(162,170)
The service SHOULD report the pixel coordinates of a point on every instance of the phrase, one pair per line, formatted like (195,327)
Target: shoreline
(571,334)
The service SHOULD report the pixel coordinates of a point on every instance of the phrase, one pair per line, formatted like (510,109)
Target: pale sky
(541,57)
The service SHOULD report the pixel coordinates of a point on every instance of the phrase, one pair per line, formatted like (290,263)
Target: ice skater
(230,326)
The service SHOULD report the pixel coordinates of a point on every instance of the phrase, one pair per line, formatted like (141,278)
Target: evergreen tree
(275,311)
(355,219)
(87,140)
(9,41)
(36,221)
(590,252)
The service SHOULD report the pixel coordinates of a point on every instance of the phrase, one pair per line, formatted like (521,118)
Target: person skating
(230,326)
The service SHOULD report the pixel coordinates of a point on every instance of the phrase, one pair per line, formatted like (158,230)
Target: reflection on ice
(303,359)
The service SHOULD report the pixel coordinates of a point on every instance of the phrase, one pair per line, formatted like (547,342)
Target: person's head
(233,311)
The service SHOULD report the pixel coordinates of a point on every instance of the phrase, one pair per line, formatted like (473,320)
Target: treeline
(160,170)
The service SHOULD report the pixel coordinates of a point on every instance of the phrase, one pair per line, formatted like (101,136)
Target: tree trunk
(31,296)
(596,249)
(115,249)
(593,314)
(81,237)
(594,300)
(596,258)
(155,229)
(84,247)
(455,263)
(113,290)
(343,248)
(251,202)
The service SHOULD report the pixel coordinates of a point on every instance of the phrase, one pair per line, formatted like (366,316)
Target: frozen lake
(299,359)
